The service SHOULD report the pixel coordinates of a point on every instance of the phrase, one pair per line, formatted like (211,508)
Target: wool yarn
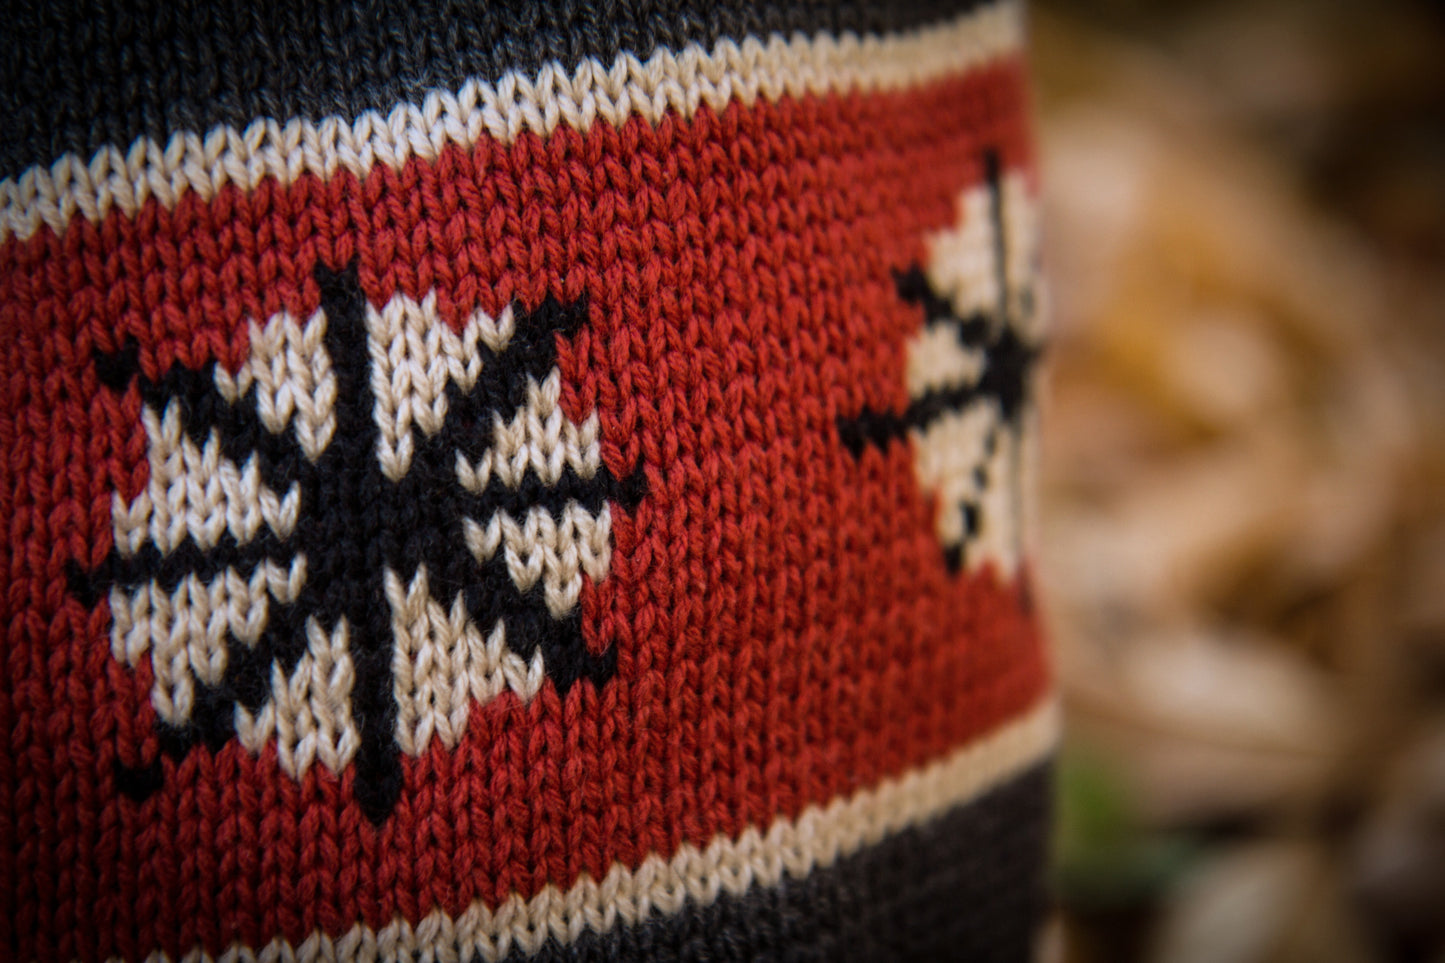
(519,481)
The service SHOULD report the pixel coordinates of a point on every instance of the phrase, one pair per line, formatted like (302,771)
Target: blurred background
(1243,542)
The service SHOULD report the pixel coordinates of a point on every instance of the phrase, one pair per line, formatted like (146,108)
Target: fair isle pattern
(669,81)
(309,712)
(999,216)
(414,355)
(543,547)
(979,456)
(693,876)
(199,494)
(292,378)
(442,665)
(968,373)
(519,483)
(199,499)
(538,439)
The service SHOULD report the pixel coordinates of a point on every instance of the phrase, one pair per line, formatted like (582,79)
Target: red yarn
(785,626)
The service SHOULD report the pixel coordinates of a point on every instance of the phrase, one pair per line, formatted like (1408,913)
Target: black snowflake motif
(1003,381)
(355,524)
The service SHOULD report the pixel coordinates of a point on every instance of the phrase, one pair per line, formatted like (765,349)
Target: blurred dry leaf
(1209,728)
(1398,859)
(1243,523)
(1275,902)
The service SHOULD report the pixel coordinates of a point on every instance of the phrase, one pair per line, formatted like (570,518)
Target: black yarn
(967,886)
(1008,361)
(76,75)
(139,783)
(355,523)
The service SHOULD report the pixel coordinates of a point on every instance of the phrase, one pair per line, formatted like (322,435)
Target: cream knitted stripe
(682,82)
(816,839)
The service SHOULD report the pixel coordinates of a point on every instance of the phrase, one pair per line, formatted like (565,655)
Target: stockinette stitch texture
(519,482)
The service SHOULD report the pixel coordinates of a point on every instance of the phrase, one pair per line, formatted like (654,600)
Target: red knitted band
(747,592)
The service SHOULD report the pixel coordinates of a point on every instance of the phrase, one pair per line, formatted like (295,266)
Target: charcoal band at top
(83,75)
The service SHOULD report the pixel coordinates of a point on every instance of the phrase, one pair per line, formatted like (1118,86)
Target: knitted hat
(518,481)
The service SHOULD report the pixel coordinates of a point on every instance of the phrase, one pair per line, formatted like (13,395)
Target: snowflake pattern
(373,525)
(969,370)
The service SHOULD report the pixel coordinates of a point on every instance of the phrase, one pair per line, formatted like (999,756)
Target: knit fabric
(519,481)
